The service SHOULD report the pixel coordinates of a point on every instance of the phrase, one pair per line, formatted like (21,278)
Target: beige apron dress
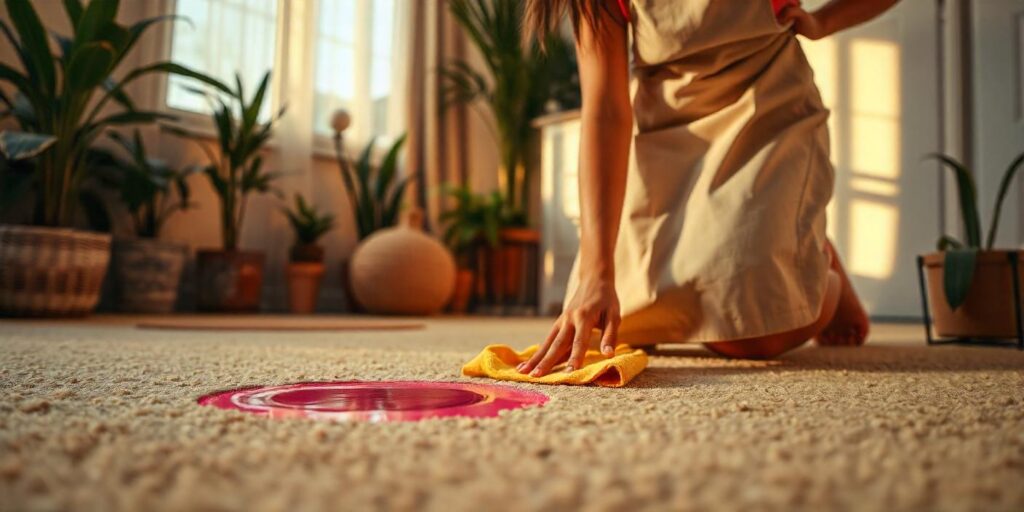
(722,235)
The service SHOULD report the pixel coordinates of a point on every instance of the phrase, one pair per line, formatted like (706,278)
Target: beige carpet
(98,415)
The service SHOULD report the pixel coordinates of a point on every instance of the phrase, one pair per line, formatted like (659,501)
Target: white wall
(998,110)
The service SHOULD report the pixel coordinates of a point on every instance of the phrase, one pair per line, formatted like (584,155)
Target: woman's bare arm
(834,16)
(607,127)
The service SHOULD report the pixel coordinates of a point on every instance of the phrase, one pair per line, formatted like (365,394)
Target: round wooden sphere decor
(402,270)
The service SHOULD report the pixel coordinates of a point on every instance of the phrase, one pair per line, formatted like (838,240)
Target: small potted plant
(231,279)
(970,282)
(62,101)
(374,194)
(475,220)
(306,268)
(146,270)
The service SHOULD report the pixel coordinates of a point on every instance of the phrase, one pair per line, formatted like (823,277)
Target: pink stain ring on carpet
(375,401)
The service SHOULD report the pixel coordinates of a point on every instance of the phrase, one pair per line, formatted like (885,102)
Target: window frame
(322,144)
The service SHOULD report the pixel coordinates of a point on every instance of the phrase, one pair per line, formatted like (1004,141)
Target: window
(355,60)
(354,63)
(220,38)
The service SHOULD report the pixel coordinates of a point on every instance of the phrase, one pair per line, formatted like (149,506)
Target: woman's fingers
(610,335)
(558,349)
(580,343)
(529,365)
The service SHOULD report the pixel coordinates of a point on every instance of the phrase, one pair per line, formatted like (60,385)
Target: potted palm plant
(62,102)
(306,268)
(970,283)
(523,79)
(474,220)
(231,279)
(146,270)
(374,194)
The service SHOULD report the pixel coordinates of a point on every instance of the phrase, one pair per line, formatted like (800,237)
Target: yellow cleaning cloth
(500,361)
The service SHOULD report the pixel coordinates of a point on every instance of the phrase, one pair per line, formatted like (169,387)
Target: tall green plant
(235,168)
(150,189)
(64,101)
(375,195)
(960,259)
(522,79)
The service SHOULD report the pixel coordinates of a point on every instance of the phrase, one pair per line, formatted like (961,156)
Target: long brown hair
(541,17)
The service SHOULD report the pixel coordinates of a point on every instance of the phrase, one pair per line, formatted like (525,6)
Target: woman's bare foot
(850,324)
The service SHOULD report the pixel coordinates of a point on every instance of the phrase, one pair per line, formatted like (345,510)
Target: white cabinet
(560,206)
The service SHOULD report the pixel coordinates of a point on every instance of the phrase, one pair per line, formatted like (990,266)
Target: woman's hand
(835,16)
(804,23)
(594,304)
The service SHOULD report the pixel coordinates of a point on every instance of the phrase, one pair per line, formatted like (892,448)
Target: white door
(998,120)
(881,82)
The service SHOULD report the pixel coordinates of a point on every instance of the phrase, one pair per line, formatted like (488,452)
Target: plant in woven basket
(309,225)
(64,100)
(961,256)
(375,194)
(235,167)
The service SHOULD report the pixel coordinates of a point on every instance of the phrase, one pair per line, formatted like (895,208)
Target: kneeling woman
(712,229)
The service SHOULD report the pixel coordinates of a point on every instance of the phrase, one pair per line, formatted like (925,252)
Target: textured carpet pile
(98,415)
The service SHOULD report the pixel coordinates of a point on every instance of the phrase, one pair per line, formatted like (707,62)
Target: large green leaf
(136,30)
(957,274)
(1004,188)
(133,117)
(388,168)
(176,69)
(968,198)
(97,15)
(21,145)
(34,44)
(73,8)
(90,64)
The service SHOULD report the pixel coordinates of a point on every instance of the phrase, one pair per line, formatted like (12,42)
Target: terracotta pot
(229,281)
(304,286)
(146,274)
(51,271)
(989,311)
(463,291)
(513,250)
(402,271)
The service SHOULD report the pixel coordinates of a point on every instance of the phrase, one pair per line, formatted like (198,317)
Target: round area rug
(375,401)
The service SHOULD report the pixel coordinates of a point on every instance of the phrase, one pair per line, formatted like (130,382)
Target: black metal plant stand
(1014,257)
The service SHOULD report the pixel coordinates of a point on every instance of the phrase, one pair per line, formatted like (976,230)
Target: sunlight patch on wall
(875,146)
(875,108)
(872,248)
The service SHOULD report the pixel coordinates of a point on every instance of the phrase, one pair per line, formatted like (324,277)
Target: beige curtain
(435,151)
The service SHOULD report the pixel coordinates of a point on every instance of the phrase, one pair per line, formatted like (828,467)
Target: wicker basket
(51,271)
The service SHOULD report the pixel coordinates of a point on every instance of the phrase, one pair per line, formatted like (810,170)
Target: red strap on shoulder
(624,9)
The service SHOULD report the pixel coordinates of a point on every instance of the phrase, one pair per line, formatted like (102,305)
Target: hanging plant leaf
(958,273)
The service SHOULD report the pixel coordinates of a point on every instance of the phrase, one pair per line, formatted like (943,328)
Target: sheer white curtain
(324,55)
